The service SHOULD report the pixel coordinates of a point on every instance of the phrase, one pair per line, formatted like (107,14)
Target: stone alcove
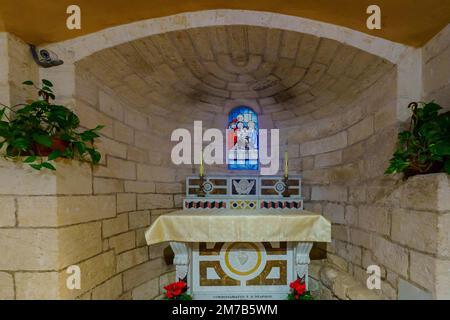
(336,96)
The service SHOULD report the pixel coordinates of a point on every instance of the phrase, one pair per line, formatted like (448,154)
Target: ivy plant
(40,131)
(425,146)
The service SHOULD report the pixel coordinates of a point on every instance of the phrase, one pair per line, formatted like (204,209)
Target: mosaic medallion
(280,187)
(207,186)
(243,260)
(242,264)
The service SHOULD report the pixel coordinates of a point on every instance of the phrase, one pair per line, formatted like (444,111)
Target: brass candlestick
(286,192)
(201,192)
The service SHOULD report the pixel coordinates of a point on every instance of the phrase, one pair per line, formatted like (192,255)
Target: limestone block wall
(92,217)
(421,223)
(24,251)
(17,242)
(135,174)
(52,221)
(412,253)
(342,157)
(35,250)
(290,79)
(436,68)
(16,66)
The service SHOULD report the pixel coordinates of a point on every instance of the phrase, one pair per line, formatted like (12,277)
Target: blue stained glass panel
(243,139)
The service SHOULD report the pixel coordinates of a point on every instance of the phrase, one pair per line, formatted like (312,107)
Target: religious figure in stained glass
(242,131)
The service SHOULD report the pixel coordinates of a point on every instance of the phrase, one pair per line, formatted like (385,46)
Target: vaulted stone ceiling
(205,70)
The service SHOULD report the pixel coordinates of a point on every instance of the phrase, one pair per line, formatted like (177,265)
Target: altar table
(227,225)
(242,239)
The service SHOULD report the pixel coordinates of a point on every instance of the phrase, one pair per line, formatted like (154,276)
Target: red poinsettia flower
(179,288)
(298,286)
(175,289)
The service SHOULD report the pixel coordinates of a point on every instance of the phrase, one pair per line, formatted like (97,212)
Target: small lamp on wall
(45,58)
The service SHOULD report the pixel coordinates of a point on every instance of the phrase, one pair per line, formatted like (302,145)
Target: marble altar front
(248,242)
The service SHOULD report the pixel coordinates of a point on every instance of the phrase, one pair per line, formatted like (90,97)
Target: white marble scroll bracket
(302,260)
(181,261)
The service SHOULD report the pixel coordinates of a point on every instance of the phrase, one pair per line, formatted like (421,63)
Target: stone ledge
(435,199)
(328,282)
(72,177)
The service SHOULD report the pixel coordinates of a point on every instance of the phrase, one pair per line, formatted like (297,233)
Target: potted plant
(40,131)
(425,146)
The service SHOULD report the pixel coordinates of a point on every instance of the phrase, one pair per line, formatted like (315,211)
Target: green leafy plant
(425,146)
(40,131)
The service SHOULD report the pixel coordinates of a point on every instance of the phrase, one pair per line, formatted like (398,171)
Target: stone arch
(76,49)
(407,59)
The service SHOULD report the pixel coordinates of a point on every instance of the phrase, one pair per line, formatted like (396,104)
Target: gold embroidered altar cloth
(227,225)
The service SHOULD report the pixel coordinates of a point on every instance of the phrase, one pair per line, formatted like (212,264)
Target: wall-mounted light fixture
(45,58)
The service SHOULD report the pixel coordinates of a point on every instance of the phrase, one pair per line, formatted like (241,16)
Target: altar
(243,239)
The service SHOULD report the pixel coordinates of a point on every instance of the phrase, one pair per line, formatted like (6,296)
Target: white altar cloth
(227,225)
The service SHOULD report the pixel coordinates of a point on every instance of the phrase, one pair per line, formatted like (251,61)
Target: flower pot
(435,168)
(57,144)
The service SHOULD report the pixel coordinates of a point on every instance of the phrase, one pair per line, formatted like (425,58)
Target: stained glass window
(243,144)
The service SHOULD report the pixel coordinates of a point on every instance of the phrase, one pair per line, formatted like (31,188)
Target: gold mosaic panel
(224,280)
(281,250)
(214,251)
(261,279)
